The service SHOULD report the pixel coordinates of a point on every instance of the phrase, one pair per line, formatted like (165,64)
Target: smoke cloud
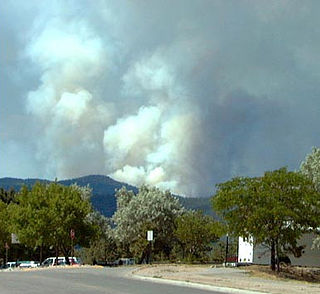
(181,95)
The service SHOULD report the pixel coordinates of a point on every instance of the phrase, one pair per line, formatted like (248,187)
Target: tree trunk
(41,253)
(183,252)
(273,256)
(105,249)
(66,252)
(66,256)
(57,254)
(145,255)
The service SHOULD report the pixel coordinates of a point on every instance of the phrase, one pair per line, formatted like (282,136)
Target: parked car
(125,261)
(11,264)
(51,261)
(27,264)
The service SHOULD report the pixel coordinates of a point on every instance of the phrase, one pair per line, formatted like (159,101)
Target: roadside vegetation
(274,209)
(43,217)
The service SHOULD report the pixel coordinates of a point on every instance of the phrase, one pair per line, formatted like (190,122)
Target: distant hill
(202,204)
(103,190)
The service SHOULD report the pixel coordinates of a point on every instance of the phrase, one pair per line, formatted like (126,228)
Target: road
(85,280)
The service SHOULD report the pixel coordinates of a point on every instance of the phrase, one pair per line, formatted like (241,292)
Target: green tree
(4,232)
(7,196)
(196,233)
(150,209)
(275,209)
(103,247)
(29,217)
(45,215)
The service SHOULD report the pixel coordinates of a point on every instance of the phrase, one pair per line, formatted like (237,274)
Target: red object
(232,258)
(72,234)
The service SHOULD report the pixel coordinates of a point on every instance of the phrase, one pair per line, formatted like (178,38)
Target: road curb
(198,285)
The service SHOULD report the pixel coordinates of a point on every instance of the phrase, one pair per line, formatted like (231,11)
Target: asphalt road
(85,280)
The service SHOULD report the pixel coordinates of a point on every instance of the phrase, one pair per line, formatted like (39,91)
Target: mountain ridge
(103,192)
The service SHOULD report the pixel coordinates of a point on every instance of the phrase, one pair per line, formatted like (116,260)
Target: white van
(51,261)
(11,264)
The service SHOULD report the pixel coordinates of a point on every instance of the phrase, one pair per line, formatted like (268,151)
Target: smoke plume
(181,95)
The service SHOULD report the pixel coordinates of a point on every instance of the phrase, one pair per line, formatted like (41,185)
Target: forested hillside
(103,190)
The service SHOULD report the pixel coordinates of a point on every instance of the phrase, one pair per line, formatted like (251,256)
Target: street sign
(72,234)
(150,235)
(14,239)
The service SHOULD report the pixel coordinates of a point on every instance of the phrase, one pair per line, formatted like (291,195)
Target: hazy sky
(178,94)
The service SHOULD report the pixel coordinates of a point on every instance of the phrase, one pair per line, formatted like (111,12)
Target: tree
(45,215)
(7,196)
(275,209)
(196,233)
(70,208)
(150,209)
(310,167)
(30,216)
(4,219)
(103,248)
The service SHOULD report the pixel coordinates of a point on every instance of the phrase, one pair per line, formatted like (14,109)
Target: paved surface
(227,278)
(86,280)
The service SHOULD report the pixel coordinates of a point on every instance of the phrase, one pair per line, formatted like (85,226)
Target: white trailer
(245,251)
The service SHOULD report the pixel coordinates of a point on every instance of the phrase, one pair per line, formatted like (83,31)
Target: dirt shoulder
(250,278)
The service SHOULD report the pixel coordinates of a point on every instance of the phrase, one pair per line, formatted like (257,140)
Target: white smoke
(150,146)
(177,94)
(71,58)
(131,139)
(79,131)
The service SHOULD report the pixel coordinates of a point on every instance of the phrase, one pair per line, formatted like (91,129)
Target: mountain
(103,192)
(198,203)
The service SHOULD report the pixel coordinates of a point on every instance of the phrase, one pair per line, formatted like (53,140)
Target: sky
(177,94)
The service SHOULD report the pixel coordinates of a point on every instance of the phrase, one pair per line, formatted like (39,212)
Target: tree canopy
(45,215)
(4,232)
(310,167)
(103,248)
(276,209)
(7,196)
(149,209)
(196,232)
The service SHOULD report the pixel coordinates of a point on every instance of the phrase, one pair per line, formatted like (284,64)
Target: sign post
(150,239)
(72,236)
